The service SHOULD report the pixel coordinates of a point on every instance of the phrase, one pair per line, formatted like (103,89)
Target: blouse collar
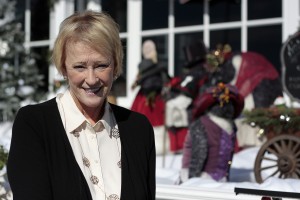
(74,118)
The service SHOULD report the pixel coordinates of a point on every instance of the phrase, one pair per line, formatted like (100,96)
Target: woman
(77,145)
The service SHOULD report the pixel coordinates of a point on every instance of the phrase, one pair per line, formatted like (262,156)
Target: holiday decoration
(19,75)
(20,78)
(279,155)
(217,57)
(274,120)
(3,157)
(210,143)
(151,77)
(5,192)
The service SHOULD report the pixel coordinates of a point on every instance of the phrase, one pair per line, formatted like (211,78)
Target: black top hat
(194,53)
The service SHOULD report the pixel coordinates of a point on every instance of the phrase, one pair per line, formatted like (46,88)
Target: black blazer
(41,164)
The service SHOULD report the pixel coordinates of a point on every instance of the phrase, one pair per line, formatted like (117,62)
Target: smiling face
(90,77)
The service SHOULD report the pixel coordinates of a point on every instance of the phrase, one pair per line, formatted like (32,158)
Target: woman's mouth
(92,91)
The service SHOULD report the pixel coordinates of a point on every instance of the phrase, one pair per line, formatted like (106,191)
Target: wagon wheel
(278,157)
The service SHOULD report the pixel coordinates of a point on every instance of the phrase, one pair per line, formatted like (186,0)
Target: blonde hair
(98,30)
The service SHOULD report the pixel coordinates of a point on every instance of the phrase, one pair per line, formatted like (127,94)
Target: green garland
(5,192)
(277,119)
(3,157)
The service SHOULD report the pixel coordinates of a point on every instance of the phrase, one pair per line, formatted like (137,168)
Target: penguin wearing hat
(210,142)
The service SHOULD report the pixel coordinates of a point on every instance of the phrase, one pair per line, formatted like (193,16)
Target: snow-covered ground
(241,175)
(168,168)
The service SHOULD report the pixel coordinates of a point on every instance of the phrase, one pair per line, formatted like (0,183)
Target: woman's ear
(115,73)
(64,73)
(65,76)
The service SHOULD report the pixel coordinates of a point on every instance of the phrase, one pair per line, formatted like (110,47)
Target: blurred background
(28,29)
(260,26)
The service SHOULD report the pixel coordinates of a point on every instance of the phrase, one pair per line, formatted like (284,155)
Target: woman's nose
(91,77)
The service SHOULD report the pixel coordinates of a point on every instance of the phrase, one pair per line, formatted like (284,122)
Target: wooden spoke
(273,174)
(283,146)
(271,150)
(290,144)
(269,159)
(268,167)
(295,148)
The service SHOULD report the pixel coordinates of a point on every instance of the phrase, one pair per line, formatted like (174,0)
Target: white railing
(171,192)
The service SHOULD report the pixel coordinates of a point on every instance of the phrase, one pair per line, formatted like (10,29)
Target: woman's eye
(79,68)
(102,66)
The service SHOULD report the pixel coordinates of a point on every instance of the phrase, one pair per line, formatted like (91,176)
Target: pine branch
(277,119)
